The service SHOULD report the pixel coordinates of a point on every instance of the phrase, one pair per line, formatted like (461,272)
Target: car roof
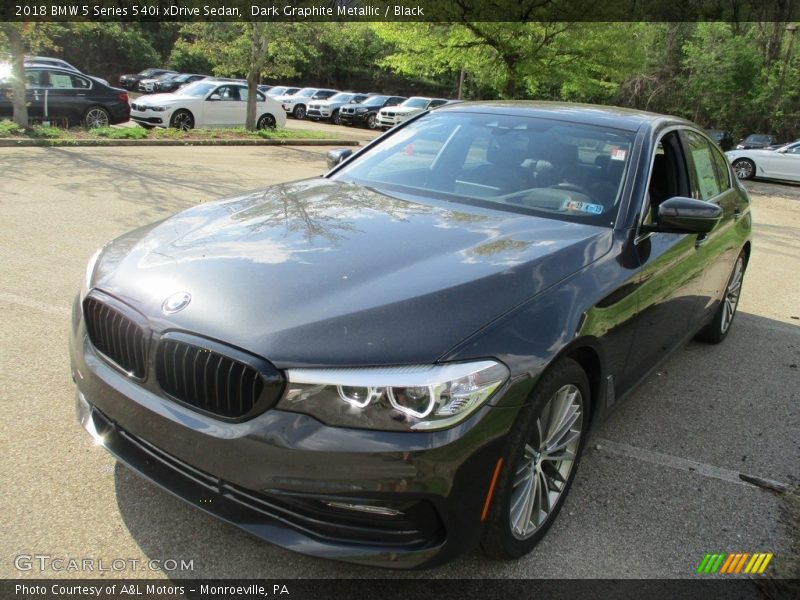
(589,114)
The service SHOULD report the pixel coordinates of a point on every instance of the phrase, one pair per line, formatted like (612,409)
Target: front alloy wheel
(546,463)
(183,120)
(544,449)
(744,168)
(720,325)
(299,112)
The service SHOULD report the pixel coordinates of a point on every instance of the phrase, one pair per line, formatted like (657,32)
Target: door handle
(702,238)
(737,214)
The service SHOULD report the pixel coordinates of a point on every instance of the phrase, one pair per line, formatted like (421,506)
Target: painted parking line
(685,464)
(38,305)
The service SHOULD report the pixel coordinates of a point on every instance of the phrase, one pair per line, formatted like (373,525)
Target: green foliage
(120,133)
(47,132)
(742,76)
(9,128)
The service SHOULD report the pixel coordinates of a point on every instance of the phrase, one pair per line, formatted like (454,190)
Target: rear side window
(701,155)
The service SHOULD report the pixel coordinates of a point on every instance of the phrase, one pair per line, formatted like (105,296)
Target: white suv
(296,105)
(394,115)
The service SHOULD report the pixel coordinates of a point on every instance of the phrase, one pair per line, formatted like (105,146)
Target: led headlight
(158,108)
(409,398)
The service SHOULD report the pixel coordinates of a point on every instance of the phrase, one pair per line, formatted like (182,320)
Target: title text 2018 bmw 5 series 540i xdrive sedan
(403,359)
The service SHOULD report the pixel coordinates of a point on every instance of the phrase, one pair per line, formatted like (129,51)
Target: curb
(26,143)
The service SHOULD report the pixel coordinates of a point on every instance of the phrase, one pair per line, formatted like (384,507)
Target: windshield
(555,169)
(375,100)
(277,91)
(758,137)
(198,89)
(306,92)
(147,72)
(416,103)
(341,97)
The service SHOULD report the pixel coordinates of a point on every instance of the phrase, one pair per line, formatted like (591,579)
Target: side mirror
(334,157)
(686,215)
(215,97)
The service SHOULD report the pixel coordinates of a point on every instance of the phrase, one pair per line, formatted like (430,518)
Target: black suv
(365,113)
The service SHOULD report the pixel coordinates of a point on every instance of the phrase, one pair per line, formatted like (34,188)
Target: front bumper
(150,117)
(275,474)
(359,118)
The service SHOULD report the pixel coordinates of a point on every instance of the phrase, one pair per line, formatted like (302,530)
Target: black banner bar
(733,588)
(399,10)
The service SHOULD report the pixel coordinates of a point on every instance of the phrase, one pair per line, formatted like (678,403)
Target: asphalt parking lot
(658,488)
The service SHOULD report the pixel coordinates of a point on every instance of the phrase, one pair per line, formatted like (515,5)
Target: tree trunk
(252,97)
(17,48)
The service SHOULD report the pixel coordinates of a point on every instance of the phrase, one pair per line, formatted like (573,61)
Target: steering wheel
(570,187)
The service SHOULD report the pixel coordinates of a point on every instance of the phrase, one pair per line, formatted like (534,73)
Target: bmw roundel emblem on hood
(176,302)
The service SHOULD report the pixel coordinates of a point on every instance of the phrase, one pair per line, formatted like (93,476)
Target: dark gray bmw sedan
(404,358)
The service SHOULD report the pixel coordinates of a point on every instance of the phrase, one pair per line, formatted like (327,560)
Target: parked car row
(376,111)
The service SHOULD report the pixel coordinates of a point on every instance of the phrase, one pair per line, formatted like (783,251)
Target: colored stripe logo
(734,563)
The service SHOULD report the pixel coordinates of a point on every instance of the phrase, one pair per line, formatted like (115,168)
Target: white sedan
(783,163)
(206,104)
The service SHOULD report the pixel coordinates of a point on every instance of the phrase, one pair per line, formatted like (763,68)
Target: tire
(182,119)
(96,116)
(299,112)
(335,118)
(266,121)
(744,168)
(717,330)
(512,529)
(372,121)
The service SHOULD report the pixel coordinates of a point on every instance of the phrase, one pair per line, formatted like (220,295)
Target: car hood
(154,99)
(320,272)
(401,110)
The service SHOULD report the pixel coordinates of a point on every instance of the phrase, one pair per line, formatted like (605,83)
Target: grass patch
(237,133)
(120,133)
(48,132)
(9,128)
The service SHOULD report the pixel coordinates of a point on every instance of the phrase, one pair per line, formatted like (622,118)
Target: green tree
(16,39)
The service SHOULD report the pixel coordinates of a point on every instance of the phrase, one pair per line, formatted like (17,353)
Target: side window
(436,103)
(259,97)
(243,93)
(723,168)
(668,175)
(228,92)
(794,149)
(33,79)
(706,177)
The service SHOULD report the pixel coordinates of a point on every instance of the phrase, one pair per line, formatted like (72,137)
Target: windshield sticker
(587,207)
(618,154)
